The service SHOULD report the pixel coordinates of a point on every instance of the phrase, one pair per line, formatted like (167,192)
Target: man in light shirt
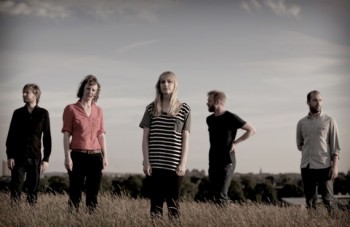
(317,139)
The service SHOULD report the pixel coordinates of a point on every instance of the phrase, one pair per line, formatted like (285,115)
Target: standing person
(223,126)
(166,126)
(29,129)
(84,144)
(317,139)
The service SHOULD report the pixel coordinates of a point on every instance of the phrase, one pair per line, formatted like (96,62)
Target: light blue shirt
(317,139)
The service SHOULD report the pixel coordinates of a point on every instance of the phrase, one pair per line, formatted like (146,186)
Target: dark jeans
(318,180)
(87,171)
(220,177)
(165,187)
(28,169)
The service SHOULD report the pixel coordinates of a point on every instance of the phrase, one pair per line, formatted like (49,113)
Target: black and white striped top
(165,138)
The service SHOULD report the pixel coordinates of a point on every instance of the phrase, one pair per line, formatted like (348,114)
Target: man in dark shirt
(29,125)
(223,126)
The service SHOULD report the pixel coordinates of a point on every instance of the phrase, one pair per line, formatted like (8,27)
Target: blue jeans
(85,176)
(165,187)
(31,169)
(220,177)
(318,180)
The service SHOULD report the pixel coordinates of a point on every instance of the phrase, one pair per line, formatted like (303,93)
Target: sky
(265,55)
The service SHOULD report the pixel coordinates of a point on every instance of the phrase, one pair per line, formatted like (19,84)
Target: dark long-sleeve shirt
(25,134)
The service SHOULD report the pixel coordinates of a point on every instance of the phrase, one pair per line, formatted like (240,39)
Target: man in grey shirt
(317,139)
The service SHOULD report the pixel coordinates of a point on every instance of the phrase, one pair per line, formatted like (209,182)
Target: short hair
(91,80)
(314,92)
(35,89)
(217,95)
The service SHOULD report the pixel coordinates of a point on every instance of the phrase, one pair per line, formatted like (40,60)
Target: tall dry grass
(52,211)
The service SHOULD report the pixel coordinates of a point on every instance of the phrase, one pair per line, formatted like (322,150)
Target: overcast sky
(265,55)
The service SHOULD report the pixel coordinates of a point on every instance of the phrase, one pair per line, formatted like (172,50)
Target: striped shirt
(165,138)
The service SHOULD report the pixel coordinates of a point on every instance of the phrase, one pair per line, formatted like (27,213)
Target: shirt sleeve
(67,119)
(147,117)
(187,123)
(11,137)
(333,138)
(47,138)
(299,137)
(102,127)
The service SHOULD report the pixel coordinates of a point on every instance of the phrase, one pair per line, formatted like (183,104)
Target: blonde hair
(174,102)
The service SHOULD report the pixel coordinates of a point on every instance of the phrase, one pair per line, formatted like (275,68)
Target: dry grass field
(52,211)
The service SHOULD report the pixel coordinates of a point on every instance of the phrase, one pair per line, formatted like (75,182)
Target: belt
(88,151)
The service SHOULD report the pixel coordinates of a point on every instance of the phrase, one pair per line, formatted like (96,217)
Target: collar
(315,117)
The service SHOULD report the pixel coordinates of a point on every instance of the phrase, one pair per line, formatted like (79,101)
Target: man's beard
(211,108)
(315,110)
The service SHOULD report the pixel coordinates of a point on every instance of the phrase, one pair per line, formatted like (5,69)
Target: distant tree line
(261,188)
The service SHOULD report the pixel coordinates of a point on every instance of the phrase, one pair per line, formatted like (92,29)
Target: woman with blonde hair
(166,126)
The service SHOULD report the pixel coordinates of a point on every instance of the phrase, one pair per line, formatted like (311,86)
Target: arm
(334,148)
(47,143)
(300,139)
(181,169)
(103,143)
(250,131)
(10,141)
(146,164)
(334,168)
(67,158)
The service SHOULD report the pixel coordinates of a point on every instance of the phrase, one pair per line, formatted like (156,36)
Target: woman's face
(167,85)
(90,91)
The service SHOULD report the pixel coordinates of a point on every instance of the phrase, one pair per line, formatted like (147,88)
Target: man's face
(315,103)
(29,96)
(211,104)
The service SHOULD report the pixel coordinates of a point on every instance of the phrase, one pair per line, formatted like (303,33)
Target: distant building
(5,170)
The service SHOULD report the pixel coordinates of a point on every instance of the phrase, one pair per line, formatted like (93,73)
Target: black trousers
(220,180)
(85,176)
(318,180)
(25,169)
(165,187)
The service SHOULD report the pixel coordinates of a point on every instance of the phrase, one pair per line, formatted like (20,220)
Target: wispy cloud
(34,8)
(136,45)
(279,7)
(145,10)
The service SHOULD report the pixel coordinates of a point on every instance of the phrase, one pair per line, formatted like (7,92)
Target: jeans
(318,180)
(28,169)
(87,171)
(165,187)
(220,177)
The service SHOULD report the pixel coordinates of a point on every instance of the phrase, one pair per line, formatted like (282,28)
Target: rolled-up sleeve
(67,120)
(334,146)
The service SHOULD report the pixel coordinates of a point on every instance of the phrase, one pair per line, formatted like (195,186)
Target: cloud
(279,7)
(34,8)
(103,9)
(136,45)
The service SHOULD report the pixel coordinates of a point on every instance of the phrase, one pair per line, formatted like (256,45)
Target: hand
(68,163)
(181,170)
(43,167)
(11,163)
(147,169)
(104,162)
(333,173)
(233,147)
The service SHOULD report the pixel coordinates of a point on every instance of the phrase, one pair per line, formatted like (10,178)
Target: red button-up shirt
(84,129)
